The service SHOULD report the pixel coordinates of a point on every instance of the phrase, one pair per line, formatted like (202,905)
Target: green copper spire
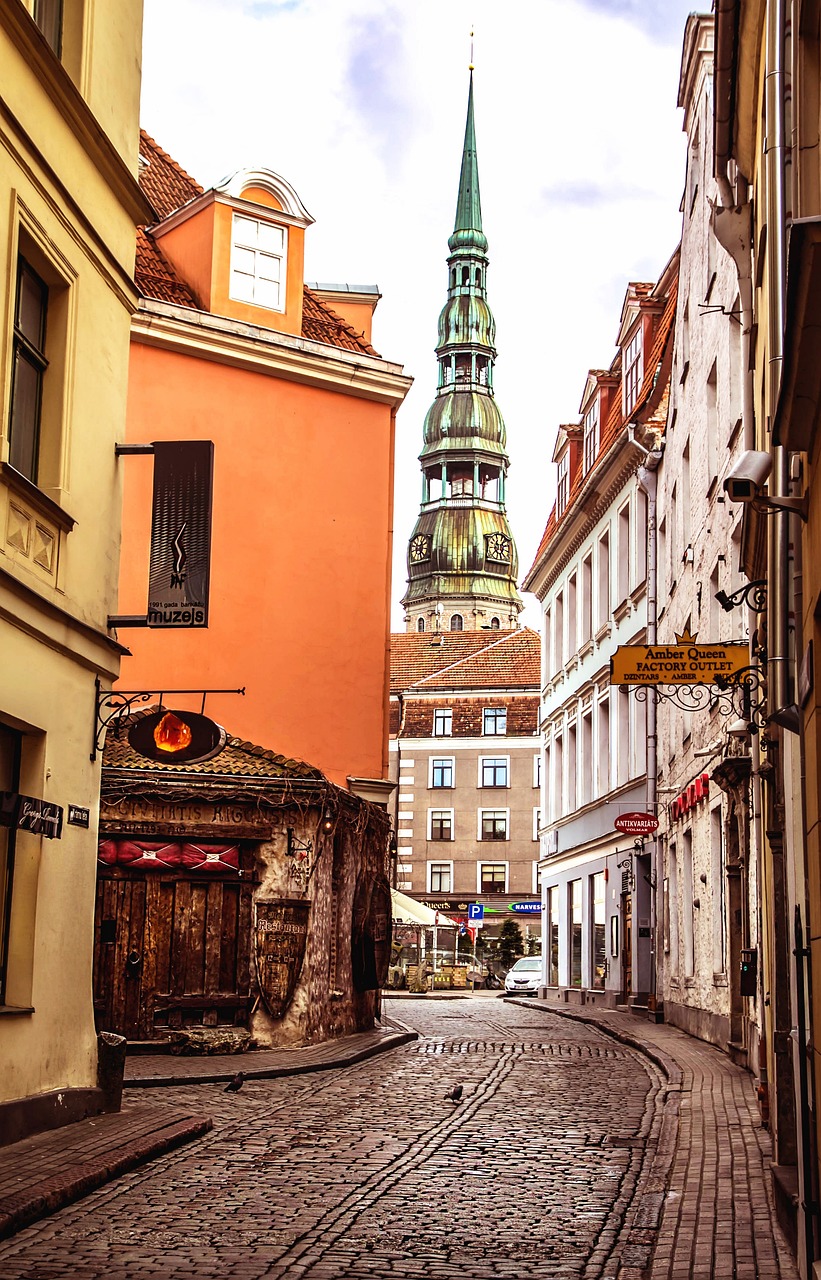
(467,229)
(462,562)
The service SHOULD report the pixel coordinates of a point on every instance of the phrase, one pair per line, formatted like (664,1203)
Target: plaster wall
(300,567)
(699,549)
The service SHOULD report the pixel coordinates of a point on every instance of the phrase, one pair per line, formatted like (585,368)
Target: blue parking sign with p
(476,911)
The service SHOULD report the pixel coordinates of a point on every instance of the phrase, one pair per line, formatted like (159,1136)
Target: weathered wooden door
(170,951)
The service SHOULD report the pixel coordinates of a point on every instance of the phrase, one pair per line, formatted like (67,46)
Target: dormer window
(258,252)
(633,371)
(591,435)
(563,487)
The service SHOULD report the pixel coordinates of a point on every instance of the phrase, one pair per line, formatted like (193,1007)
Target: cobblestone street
(553,1164)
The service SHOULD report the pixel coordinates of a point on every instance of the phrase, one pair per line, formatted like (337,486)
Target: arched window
(495,624)
(465,275)
(478,278)
(453,278)
(456,622)
(420,624)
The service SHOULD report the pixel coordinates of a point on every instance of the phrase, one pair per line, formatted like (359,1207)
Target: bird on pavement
(455,1094)
(236,1084)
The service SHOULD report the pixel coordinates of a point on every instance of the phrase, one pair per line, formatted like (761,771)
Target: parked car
(525,977)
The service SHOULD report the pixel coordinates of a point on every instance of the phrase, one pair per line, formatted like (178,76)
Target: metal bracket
(742,694)
(113,706)
(752,594)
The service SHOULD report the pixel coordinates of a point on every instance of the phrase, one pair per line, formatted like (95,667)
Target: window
(563,485)
(604,746)
(572,769)
(553,936)
(442,722)
(537,770)
(442,771)
(537,822)
(572,617)
(604,580)
(420,624)
(688,937)
(623,558)
(494,721)
(258,263)
(493,824)
(587,600)
(495,624)
(48,14)
(575,896)
(457,622)
(9,781)
(591,435)
(599,962)
(440,822)
(632,371)
(493,877)
(440,877)
(28,368)
(494,771)
(586,769)
(718,867)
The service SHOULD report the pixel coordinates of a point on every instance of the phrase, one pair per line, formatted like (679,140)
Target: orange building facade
(229,345)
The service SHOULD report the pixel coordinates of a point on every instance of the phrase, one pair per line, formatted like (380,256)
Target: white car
(525,977)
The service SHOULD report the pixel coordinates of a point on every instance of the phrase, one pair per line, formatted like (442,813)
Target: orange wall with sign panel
(303,432)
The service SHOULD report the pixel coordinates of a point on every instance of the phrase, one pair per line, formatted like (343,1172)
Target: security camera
(748,476)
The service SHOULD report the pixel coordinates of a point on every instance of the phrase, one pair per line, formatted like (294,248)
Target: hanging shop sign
(684,662)
(180,564)
(176,737)
(636,824)
(280,937)
(39,817)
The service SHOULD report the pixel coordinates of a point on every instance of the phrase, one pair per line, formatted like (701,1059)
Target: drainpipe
(647,476)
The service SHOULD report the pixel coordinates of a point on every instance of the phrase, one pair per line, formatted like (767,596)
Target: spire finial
(470,64)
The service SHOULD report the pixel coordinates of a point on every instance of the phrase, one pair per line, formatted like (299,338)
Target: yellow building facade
(69,204)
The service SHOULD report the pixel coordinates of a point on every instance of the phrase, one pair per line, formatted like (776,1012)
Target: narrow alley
(568,1155)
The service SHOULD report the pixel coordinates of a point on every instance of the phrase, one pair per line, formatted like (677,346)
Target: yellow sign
(682,663)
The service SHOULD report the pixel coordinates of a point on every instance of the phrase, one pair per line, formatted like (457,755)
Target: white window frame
(537,770)
(492,862)
(489,786)
(496,809)
(563,483)
(536,881)
(632,370)
(451,760)
(590,446)
(537,819)
(438,862)
(237,244)
(447,714)
(495,713)
(434,840)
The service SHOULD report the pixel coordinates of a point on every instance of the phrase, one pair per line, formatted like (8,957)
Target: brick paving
(717,1220)
(600,1147)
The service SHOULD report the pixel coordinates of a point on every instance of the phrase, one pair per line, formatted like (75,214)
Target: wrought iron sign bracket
(742,694)
(752,594)
(113,706)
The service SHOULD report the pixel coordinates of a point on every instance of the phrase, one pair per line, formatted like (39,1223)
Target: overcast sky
(361,104)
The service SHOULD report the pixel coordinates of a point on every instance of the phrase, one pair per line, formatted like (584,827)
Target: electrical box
(749,971)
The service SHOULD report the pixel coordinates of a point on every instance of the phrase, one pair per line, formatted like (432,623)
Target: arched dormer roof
(236,184)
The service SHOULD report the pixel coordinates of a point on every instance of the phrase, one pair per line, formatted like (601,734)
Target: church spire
(462,560)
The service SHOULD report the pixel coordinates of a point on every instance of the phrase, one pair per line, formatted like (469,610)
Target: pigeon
(455,1094)
(236,1084)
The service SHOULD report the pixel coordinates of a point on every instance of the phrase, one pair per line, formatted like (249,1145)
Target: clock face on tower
(420,548)
(498,547)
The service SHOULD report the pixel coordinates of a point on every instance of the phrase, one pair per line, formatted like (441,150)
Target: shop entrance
(170,951)
(627,947)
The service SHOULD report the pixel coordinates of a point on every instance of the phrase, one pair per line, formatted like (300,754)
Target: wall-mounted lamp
(327,819)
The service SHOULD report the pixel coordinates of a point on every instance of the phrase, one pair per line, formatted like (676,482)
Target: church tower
(462,563)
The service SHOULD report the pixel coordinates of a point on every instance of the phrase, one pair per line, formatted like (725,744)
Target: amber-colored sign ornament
(280,935)
(684,662)
(177,737)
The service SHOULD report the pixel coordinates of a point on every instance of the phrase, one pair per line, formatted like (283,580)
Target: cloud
(374,79)
(657,18)
(592,195)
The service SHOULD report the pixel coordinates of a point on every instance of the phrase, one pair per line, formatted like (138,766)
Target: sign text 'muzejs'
(677,663)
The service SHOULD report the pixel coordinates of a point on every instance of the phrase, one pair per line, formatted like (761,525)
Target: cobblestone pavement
(368,1171)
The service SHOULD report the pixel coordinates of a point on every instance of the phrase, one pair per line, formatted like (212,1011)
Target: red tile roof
(169,187)
(465,660)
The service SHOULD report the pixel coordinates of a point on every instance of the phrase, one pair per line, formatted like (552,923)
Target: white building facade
(590,575)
